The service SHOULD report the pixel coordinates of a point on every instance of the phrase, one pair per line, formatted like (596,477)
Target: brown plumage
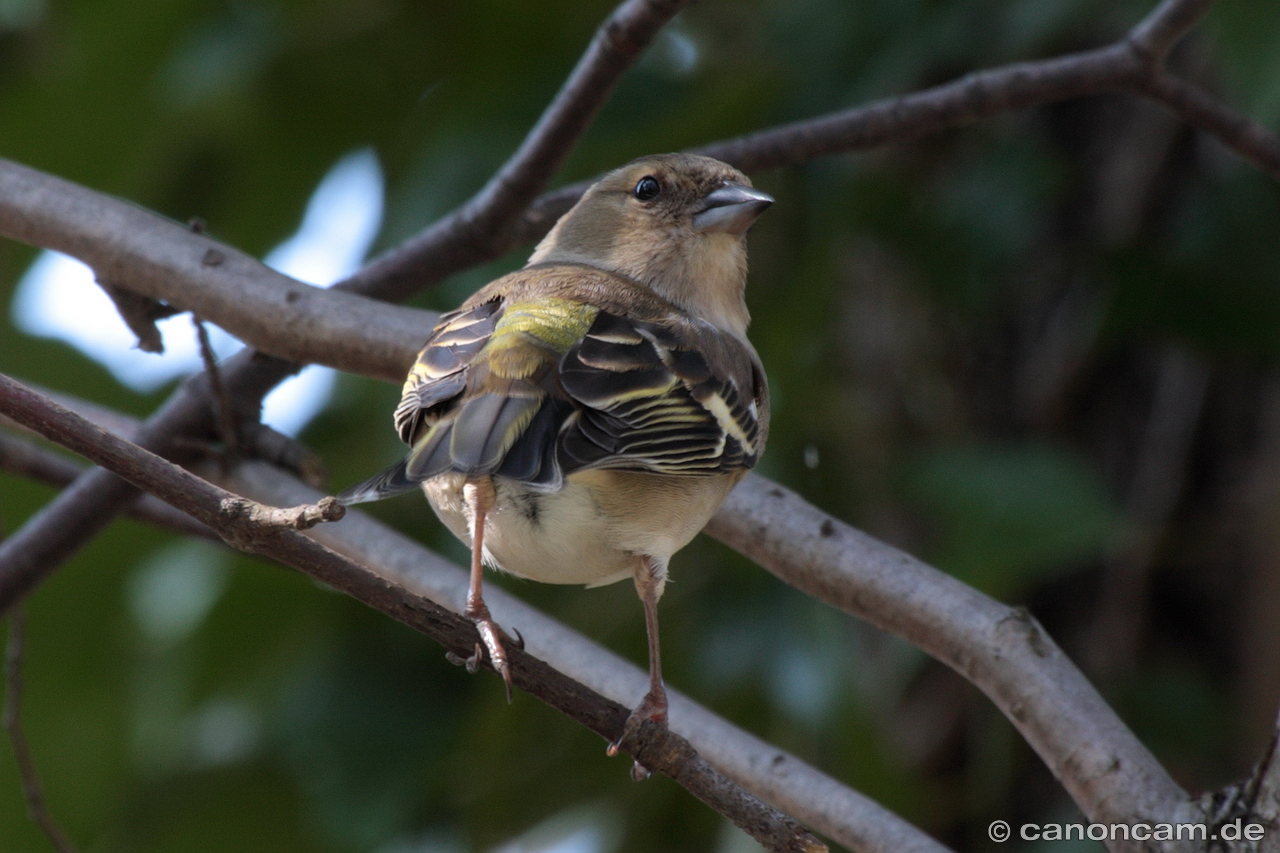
(580,420)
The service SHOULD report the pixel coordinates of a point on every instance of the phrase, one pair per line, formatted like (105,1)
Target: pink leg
(650,578)
(480,494)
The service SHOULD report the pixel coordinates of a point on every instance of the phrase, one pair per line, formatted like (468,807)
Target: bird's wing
(483,397)
(434,383)
(677,397)
(534,388)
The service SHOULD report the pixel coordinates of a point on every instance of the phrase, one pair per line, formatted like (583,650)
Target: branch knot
(248,525)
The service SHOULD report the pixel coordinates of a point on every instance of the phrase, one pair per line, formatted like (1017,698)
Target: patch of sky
(57,297)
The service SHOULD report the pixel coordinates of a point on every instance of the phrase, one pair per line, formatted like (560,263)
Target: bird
(579,420)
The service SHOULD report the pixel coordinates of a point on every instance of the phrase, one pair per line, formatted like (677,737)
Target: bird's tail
(389,483)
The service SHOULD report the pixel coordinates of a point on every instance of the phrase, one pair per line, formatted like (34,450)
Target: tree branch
(850,818)
(1002,650)
(274,534)
(835,810)
(78,514)
(469,235)
(161,259)
(26,459)
(166,262)
(1157,33)
(1134,64)
(1196,107)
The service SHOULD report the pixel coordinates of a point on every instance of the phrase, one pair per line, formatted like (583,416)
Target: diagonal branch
(255,528)
(771,774)
(467,236)
(26,459)
(1133,64)
(1248,138)
(1166,24)
(1002,650)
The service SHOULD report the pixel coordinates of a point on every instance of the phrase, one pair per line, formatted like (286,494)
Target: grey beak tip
(731,208)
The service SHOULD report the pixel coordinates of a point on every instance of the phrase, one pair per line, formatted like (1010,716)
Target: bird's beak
(731,209)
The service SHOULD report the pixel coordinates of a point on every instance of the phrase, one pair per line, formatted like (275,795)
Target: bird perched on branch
(580,420)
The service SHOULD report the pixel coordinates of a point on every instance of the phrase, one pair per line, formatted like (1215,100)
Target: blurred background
(1040,352)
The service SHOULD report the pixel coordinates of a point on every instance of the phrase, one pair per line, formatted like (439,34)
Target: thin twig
(261,531)
(223,414)
(260,441)
(1246,137)
(32,791)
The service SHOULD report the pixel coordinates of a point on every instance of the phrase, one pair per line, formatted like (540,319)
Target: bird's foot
(492,644)
(653,708)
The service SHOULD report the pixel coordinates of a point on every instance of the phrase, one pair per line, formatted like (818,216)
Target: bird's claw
(472,663)
(491,636)
(653,708)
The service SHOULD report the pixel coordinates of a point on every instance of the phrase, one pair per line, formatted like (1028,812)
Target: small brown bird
(580,420)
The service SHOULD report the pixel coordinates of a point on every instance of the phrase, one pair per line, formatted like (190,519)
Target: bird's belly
(588,532)
(557,537)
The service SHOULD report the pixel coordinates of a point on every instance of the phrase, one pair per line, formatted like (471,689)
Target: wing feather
(653,401)
(535,389)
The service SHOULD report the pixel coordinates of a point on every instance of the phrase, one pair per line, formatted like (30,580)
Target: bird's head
(673,222)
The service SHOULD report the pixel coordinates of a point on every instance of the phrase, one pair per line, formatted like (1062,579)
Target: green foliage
(905,306)
(1008,516)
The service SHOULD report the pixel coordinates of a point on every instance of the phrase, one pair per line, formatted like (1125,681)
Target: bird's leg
(480,494)
(650,578)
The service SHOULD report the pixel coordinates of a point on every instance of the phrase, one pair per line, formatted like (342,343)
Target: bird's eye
(647,188)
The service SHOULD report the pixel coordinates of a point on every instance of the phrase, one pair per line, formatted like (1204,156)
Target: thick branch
(1003,650)
(155,257)
(163,260)
(274,534)
(848,817)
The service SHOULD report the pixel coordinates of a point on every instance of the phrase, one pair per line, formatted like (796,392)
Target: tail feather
(391,482)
